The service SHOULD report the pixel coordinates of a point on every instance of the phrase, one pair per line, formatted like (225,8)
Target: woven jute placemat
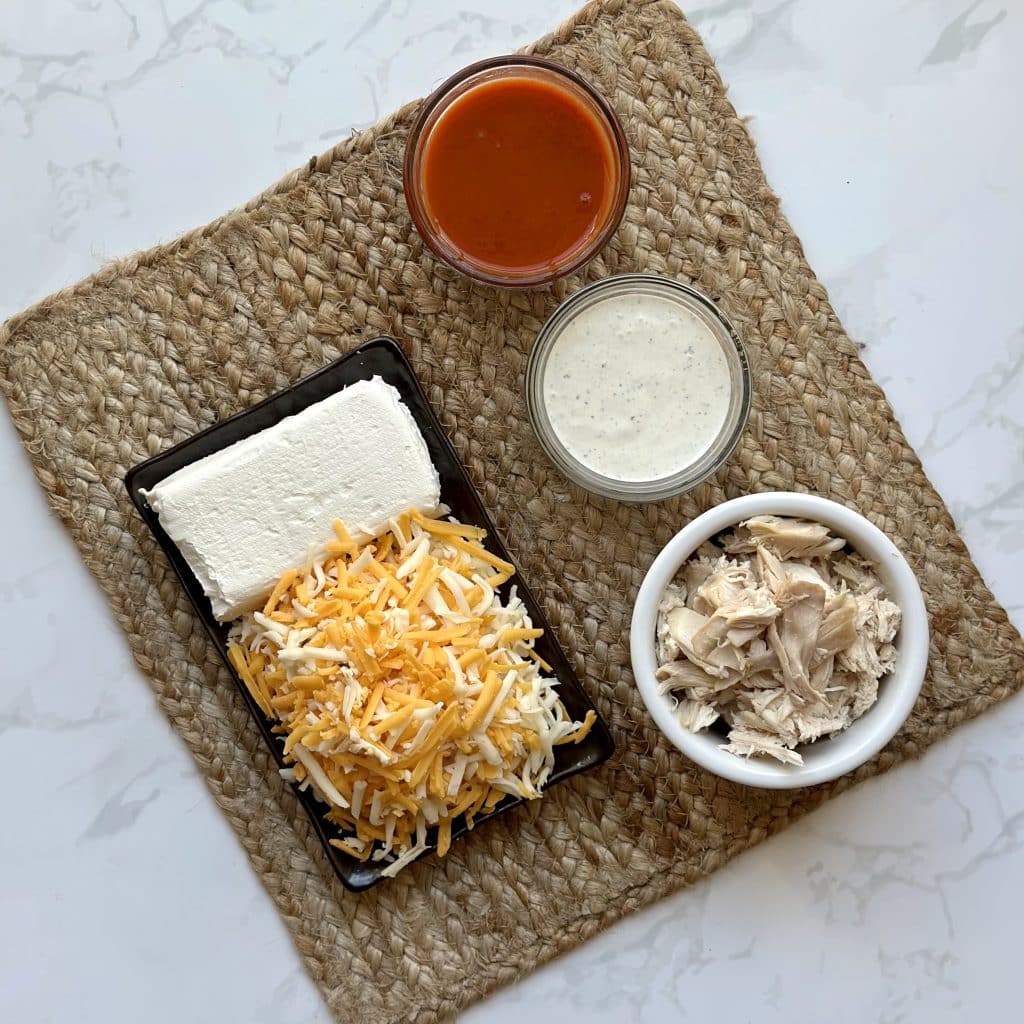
(158,346)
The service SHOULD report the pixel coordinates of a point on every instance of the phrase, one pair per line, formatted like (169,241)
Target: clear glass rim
(689,476)
(447,92)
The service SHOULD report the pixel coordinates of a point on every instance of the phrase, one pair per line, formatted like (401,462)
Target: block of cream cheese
(248,513)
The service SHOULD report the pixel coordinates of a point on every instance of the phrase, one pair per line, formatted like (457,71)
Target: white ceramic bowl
(824,759)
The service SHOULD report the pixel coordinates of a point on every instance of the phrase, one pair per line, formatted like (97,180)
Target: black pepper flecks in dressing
(637,387)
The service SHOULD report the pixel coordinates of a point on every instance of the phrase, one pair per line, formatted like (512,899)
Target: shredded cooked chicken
(780,631)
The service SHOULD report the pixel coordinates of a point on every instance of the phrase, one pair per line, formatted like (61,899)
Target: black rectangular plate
(384,358)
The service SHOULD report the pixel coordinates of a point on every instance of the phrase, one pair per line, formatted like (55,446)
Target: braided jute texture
(160,345)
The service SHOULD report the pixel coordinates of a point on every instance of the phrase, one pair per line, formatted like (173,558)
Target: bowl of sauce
(516,171)
(638,387)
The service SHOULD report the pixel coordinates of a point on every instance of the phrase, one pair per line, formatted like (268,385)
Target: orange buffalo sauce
(518,173)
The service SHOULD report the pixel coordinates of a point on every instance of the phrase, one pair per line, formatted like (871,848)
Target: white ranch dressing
(636,387)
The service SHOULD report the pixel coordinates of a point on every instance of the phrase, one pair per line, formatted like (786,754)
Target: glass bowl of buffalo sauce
(516,171)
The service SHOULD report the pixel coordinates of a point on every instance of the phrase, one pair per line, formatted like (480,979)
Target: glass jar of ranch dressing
(638,387)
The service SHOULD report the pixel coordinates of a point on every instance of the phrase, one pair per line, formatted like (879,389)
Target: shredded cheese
(406,689)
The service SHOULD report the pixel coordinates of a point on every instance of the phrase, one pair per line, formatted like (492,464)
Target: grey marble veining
(889,131)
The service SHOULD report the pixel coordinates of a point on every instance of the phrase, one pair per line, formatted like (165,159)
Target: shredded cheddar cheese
(407,691)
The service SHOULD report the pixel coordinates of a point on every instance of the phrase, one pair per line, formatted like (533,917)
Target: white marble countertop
(890,132)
